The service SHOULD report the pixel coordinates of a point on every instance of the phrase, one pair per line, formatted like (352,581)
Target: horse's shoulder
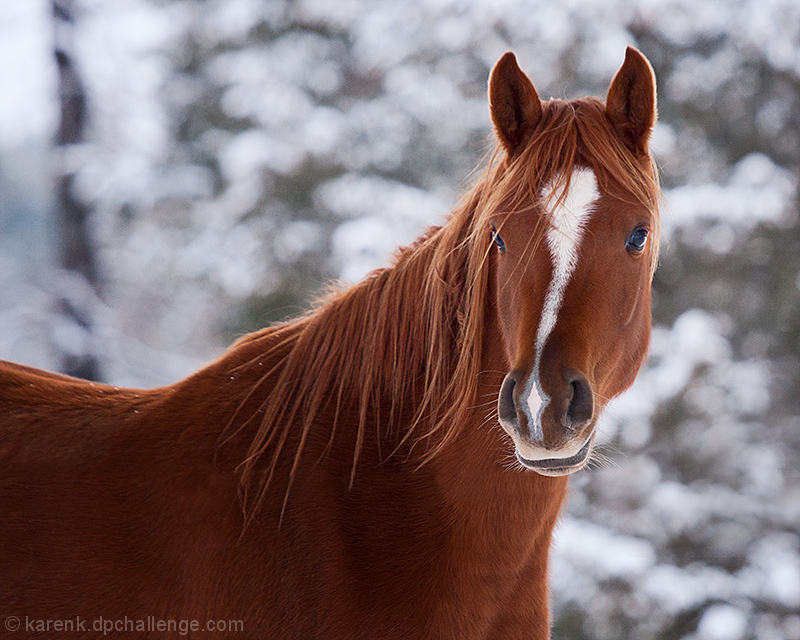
(10,371)
(33,395)
(19,383)
(264,347)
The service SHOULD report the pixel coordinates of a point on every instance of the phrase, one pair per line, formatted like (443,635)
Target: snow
(352,195)
(28,109)
(757,191)
(722,622)
(376,137)
(597,550)
(695,339)
(663,140)
(384,214)
(773,569)
(682,589)
(249,152)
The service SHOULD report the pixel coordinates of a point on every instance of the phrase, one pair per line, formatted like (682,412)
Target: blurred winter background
(184,171)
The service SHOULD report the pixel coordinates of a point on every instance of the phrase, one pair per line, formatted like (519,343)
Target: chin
(554,467)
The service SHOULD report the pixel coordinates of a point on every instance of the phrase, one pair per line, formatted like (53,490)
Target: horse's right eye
(498,240)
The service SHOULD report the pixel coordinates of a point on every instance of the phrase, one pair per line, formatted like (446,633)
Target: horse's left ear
(631,101)
(514,104)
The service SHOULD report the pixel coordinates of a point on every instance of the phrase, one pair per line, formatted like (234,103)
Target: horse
(390,464)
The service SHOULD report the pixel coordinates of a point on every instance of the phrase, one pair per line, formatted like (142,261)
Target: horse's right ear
(514,104)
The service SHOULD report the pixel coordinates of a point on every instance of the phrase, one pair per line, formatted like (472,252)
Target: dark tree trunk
(76,253)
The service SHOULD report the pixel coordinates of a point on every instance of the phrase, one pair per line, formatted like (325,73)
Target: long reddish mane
(406,344)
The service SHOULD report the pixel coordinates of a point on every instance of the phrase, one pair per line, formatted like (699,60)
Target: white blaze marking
(567,220)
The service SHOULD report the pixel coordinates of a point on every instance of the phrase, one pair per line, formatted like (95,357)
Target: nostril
(506,409)
(580,408)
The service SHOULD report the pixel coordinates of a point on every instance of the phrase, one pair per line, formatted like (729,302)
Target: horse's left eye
(637,240)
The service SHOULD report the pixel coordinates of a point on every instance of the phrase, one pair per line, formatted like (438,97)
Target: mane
(413,333)
(572,134)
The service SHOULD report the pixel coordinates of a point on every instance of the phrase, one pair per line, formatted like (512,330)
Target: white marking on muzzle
(567,219)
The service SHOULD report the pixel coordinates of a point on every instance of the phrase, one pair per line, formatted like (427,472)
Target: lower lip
(559,466)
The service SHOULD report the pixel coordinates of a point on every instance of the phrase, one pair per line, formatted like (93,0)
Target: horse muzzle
(553,434)
(559,466)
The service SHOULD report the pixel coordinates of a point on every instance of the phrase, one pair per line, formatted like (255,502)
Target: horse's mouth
(555,467)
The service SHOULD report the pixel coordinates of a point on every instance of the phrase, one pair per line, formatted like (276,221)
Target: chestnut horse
(342,475)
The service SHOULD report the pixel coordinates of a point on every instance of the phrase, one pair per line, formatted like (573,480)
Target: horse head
(575,243)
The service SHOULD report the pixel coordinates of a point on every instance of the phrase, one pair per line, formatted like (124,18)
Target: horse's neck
(505,510)
(479,450)
(499,516)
